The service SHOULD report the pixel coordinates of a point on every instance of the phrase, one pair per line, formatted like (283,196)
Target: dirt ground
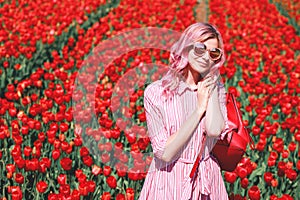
(201,11)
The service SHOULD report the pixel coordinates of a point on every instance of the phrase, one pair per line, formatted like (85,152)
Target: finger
(199,85)
(217,78)
(209,82)
(212,87)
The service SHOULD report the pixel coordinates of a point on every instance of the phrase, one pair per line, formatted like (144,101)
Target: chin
(203,71)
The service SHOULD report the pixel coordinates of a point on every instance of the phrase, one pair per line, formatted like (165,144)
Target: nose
(206,56)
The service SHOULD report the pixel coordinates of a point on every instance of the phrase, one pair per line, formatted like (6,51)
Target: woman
(182,107)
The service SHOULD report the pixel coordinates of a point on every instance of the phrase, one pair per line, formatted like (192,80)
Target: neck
(193,77)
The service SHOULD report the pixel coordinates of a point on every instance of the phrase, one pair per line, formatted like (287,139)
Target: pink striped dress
(170,180)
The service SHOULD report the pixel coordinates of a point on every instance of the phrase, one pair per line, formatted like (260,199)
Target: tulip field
(72,121)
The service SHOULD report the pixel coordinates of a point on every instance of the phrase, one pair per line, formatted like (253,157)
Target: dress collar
(185,86)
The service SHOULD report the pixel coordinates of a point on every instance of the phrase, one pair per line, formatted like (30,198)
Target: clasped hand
(205,89)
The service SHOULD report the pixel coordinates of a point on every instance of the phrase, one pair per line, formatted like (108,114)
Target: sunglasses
(200,49)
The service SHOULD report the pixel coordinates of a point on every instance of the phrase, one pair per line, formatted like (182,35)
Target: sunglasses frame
(209,51)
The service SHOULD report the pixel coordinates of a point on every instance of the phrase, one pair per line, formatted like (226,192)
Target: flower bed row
(290,9)
(26,22)
(262,52)
(14,66)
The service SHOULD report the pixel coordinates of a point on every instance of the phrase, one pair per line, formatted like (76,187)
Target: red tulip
(291,174)
(142,117)
(87,160)
(65,189)
(254,193)
(244,183)
(55,154)
(123,158)
(66,163)
(75,195)
(37,125)
(78,173)
(84,151)
(27,151)
(287,196)
(10,168)
(41,186)
(122,170)
(120,197)
(96,170)
(83,188)
(16,192)
(256,130)
(77,141)
(25,130)
(3,132)
(292,146)
(56,144)
(230,177)
(31,123)
(20,162)
(285,154)
(63,127)
(44,164)
(53,196)
(6,65)
(106,170)
(298,165)
(130,193)
(278,145)
(268,177)
(32,165)
(131,136)
(108,146)
(106,196)
(105,157)
(118,147)
(12,112)
(91,186)
(111,181)
(134,174)
(65,146)
(18,139)
(19,178)
(281,168)
(260,146)
(81,178)
(62,179)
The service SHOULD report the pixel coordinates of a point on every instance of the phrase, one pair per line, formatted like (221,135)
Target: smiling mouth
(206,65)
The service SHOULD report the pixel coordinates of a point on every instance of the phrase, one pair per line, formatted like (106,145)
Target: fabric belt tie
(204,174)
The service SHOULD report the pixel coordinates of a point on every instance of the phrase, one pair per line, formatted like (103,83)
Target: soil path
(202,10)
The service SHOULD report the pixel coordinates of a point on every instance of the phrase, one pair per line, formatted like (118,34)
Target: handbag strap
(251,142)
(199,157)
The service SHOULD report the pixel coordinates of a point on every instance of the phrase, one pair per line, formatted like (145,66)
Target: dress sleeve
(157,131)
(222,101)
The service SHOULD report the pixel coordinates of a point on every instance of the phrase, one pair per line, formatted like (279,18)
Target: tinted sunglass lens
(199,48)
(215,53)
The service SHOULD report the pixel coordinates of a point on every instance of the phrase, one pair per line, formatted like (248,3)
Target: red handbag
(231,149)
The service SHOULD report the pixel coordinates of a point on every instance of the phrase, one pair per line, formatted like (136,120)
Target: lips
(203,64)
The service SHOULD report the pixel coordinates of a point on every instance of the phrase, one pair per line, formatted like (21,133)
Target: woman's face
(202,64)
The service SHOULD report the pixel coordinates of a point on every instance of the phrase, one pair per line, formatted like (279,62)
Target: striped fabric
(170,180)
